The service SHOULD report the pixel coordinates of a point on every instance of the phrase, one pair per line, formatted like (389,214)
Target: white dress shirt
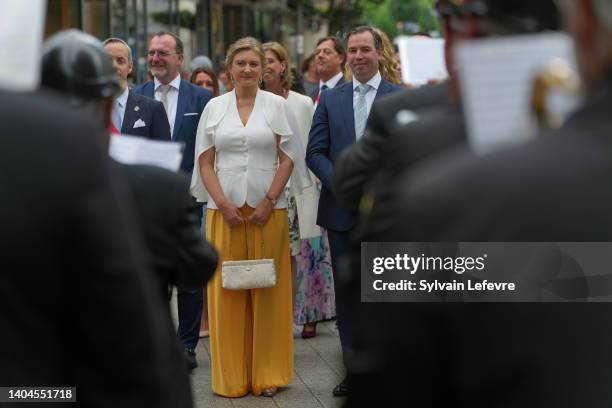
(331,83)
(374,83)
(120,103)
(173,94)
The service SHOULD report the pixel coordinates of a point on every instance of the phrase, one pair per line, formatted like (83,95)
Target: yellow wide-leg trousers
(251,331)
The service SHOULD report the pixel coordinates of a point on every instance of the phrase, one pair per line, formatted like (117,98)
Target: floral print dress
(314,281)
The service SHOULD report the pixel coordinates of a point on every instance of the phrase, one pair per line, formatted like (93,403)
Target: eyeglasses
(161,54)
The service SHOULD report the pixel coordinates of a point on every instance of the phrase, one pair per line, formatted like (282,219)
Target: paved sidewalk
(318,368)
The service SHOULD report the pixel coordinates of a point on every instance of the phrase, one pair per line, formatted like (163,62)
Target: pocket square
(191,114)
(139,123)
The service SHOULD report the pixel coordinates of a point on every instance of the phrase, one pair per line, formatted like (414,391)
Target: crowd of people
(298,168)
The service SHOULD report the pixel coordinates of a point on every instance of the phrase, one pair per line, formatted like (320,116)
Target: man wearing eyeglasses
(184,103)
(134,114)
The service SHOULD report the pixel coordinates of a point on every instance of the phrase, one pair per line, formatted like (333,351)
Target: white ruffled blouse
(246,155)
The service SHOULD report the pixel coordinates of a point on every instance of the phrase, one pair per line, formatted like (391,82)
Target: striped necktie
(361,110)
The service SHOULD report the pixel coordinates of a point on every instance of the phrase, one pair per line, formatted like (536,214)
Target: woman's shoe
(309,330)
(269,392)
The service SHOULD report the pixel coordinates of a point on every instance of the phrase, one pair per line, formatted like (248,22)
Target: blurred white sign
(21,35)
(422,59)
(137,150)
(497,82)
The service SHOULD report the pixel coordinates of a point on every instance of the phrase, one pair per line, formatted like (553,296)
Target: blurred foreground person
(167,214)
(72,266)
(554,189)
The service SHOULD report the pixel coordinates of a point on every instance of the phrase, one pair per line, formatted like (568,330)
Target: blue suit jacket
(150,112)
(332,131)
(191,102)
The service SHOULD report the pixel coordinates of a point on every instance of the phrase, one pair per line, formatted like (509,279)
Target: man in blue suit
(339,121)
(134,114)
(184,104)
(330,57)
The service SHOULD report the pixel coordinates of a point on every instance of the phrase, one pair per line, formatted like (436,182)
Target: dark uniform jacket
(514,354)
(77,305)
(358,165)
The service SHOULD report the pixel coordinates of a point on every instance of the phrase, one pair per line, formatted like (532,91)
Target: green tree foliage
(400,16)
(392,16)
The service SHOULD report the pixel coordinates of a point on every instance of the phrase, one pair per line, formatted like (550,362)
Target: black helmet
(75,64)
(518,16)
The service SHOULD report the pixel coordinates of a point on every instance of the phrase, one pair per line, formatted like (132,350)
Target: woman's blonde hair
(245,44)
(387,65)
(281,54)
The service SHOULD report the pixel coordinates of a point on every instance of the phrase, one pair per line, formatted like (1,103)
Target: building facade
(207,27)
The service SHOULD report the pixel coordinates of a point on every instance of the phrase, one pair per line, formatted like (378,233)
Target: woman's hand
(230,213)
(262,213)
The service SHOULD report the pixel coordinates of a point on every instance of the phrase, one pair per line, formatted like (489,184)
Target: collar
(332,82)
(122,99)
(175,83)
(374,82)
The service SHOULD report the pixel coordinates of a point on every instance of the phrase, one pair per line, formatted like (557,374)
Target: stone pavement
(318,368)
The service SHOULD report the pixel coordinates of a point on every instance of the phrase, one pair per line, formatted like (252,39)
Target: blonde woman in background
(313,278)
(245,156)
(388,65)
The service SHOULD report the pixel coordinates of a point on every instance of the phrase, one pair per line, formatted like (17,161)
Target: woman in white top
(244,150)
(314,298)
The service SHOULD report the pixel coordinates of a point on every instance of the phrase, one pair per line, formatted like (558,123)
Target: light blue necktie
(361,110)
(116,116)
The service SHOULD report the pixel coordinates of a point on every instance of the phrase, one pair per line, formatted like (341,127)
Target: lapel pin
(136,108)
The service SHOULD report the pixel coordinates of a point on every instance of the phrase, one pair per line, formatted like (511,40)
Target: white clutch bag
(249,274)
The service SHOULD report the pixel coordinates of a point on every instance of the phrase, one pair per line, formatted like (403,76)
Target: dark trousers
(189,304)
(337,245)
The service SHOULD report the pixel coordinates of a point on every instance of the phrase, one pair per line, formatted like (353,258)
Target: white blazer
(307,202)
